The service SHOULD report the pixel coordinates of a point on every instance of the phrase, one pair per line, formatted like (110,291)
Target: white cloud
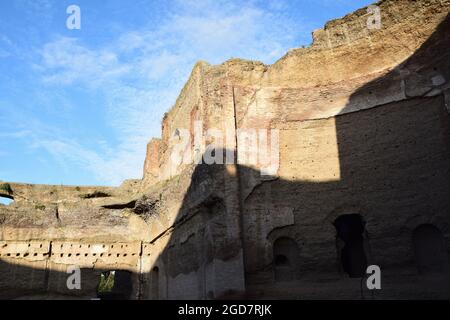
(6,46)
(65,61)
(141,73)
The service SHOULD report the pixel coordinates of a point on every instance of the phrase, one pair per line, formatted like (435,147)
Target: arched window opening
(285,259)
(350,229)
(6,194)
(6,201)
(429,249)
(155,283)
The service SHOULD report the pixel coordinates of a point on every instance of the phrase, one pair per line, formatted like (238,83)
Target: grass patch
(106,284)
(96,194)
(39,207)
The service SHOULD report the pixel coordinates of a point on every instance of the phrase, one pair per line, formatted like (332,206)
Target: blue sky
(78,107)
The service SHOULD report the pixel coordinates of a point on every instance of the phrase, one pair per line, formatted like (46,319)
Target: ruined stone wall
(395,175)
(49,229)
(197,246)
(363,124)
(41,267)
(317,82)
(363,130)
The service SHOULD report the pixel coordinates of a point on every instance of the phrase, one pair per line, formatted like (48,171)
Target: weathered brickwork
(363,179)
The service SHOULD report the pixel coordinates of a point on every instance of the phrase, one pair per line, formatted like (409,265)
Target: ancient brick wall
(363,126)
(42,267)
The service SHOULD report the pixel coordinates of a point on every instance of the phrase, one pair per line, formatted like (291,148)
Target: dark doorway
(155,283)
(115,285)
(350,229)
(285,259)
(429,248)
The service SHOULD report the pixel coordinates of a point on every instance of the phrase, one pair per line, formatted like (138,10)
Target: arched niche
(285,259)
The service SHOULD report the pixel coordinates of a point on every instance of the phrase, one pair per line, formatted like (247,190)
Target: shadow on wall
(237,235)
(20,281)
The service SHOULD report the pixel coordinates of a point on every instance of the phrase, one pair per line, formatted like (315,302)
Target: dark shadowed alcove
(285,259)
(429,248)
(350,229)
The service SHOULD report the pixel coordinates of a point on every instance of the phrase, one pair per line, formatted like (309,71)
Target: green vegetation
(106,282)
(96,194)
(39,207)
